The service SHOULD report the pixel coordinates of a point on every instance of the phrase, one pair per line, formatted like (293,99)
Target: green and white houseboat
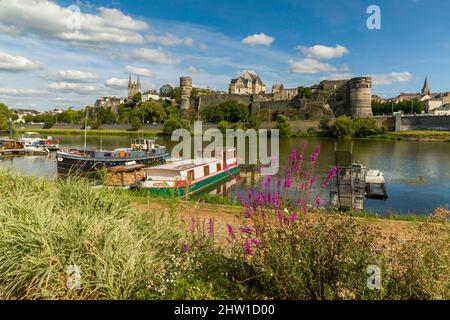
(186,177)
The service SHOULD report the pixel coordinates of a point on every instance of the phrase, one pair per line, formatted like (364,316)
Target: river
(417,173)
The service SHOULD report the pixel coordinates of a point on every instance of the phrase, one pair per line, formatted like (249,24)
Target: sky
(60,54)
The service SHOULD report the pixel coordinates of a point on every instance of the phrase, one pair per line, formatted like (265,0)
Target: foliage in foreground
(47,227)
(281,249)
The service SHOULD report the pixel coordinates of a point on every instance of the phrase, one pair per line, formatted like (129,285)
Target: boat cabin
(192,171)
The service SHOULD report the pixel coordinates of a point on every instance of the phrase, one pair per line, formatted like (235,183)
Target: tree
(283,126)
(305,93)
(106,116)
(137,97)
(151,111)
(254,122)
(223,126)
(230,110)
(343,127)
(175,123)
(165,90)
(135,123)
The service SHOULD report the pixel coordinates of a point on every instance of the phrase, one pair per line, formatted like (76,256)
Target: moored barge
(142,151)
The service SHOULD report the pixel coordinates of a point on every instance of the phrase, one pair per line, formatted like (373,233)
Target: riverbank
(112,132)
(420,135)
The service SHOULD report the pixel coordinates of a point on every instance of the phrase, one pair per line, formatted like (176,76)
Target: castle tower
(185,88)
(425,90)
(361,97)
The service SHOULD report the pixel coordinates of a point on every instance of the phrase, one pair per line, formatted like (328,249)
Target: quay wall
(417,122)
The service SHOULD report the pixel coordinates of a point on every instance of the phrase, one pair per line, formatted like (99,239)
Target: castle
(133,87)
(248,83)
(352,97)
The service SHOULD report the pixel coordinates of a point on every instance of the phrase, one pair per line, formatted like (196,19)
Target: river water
(417,173)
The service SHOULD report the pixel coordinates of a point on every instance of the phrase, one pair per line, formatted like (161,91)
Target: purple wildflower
(275,201)
(288,182)
(246,230)
(193,225)
(256,242)
(231,231)
(211,228)
(248,247)
(293,216)
(318,201)
(186,247)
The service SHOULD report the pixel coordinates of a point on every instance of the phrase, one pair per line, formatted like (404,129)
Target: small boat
(33,142)
(142,151)
(186,177)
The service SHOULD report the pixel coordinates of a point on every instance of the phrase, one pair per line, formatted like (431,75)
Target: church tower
(425,89)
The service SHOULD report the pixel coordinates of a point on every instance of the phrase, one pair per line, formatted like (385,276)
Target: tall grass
(45,227)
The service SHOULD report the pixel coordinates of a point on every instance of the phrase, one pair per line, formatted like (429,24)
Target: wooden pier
(20,152)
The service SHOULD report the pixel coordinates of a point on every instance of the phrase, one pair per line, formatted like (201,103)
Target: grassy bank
(117,132)
(420,135)
(170,249)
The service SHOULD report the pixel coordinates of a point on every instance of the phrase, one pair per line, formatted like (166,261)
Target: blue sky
(48,60)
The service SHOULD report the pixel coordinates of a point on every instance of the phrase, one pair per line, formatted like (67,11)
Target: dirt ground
(223,215)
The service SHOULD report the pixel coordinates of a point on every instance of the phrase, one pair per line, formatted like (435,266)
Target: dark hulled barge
(142,151)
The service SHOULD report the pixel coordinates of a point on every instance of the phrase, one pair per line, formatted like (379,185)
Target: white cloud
(12,92)
(72,76)
(324,52)
(310,66)
(72,87)
(338,76)
(393,77)
(49,20)
(157,56)
(258,39)
(170,40)
(195,70)
(139,71)
(11,63)
(203,46)
(117,83)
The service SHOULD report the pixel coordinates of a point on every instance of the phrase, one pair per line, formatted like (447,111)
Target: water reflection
(417,173)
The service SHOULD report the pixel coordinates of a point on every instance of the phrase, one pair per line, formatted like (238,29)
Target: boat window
(190,175)
(108,154)
(219,167)
(206,171)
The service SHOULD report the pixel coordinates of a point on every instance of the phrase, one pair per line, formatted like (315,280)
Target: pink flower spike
(231,231)
(256,242)
(318,201)
(186,248)
(293,216)
(248,247)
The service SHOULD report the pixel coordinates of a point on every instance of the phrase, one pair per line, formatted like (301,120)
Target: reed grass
(45,227)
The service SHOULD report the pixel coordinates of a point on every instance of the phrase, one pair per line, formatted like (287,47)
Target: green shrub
(254,122)
(283,125)
(230,110)
(222,126)
(135,123)
(175,123)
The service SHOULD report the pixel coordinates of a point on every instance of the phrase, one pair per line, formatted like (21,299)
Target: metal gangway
(348,186)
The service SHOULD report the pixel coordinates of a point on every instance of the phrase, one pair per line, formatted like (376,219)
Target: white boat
(184,177)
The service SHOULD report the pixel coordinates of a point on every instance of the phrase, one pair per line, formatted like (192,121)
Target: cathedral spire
(425,89)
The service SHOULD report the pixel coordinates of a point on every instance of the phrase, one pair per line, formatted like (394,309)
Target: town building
(247,83)
(150,95)
(22,113)
(111,103)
